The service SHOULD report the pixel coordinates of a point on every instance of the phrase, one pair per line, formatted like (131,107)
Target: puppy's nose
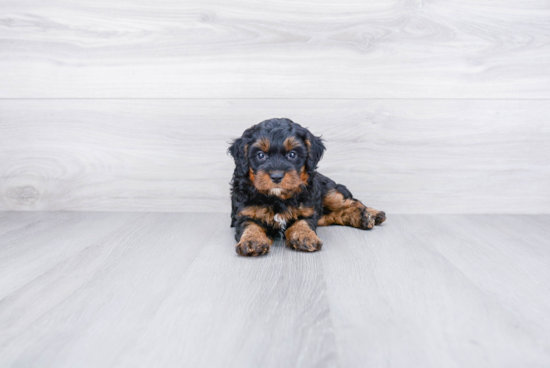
(276,176)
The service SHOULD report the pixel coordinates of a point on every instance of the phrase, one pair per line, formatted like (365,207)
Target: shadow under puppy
(276,190)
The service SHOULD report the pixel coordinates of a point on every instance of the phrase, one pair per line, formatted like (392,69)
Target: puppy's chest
(278,218)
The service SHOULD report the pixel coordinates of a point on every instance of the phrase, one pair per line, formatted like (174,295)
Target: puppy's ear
(239,152)
(315,148)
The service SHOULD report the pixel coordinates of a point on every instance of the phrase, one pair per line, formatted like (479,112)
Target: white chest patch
(280,220)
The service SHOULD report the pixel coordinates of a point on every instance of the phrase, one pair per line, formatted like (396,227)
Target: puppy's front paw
(306,241)
(252,248)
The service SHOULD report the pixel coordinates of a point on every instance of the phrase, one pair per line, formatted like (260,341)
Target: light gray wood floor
(167,289)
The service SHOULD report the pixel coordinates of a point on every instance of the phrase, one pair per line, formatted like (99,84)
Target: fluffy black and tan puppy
(276,190)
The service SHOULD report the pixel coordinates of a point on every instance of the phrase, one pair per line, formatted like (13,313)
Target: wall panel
(274,49)
(403,156)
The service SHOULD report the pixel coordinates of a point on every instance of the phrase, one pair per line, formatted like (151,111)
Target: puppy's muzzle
(276,176)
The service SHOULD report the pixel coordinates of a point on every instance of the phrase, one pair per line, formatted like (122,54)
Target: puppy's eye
(291,155)
(261,156)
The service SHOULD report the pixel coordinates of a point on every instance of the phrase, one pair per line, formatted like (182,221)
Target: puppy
(276,190)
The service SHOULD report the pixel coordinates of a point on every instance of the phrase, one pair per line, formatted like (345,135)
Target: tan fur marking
(291,182)
(289,186)
(350,216)
(263,182)
(254,241)
(308,145)
(290,143)
(346,212)
(300,236)
(372,211)
(304,176)
(255,232)
(325,221)
(266,214)
(379,216)
(335,200)
(263,144)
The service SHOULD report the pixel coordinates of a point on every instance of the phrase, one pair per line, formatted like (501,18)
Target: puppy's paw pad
(252,248)
(308,243)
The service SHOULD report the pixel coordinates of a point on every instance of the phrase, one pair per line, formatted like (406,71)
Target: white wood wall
(426,106)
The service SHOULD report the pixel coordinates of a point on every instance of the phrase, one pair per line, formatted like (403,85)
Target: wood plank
(27,253)
(266,312)
(144,258)
(438,291)
(168,289)
(13,221)
(402,156)
(276,49)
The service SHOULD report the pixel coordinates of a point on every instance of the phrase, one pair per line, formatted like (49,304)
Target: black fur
(311,194)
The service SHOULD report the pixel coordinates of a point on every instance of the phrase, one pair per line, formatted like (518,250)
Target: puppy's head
(277,156)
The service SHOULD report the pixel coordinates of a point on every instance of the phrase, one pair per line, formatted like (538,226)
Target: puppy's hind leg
(340,208)
(379,216)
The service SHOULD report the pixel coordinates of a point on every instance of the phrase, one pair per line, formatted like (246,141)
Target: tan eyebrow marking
(290,143)
(263,144)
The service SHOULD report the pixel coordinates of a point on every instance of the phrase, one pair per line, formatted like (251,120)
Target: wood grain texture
(158,289)
(442,291)
(402,156)
(275,49)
